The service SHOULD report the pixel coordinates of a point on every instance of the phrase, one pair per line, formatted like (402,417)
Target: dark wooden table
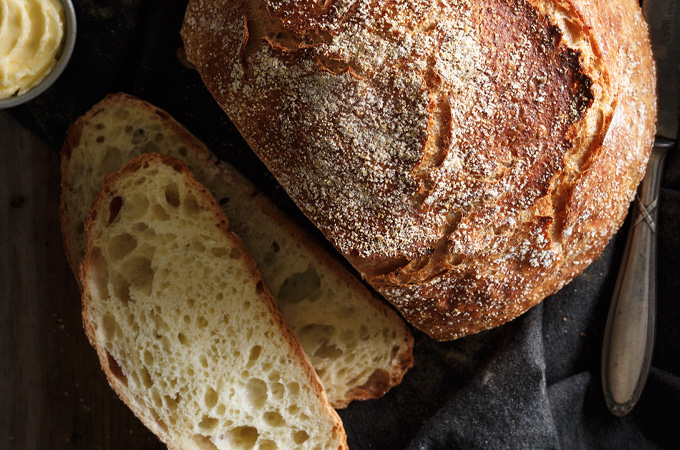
(53,395)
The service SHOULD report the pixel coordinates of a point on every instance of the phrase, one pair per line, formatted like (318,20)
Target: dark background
(533,383)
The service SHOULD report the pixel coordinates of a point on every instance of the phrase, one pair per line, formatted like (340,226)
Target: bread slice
(358,346)
(186,330)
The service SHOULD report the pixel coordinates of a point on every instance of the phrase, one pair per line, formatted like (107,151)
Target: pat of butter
(31,34)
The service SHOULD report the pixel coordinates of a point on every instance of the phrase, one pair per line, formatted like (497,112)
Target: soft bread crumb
(189,338)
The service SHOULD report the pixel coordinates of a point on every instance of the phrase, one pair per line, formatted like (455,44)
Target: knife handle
(629,334)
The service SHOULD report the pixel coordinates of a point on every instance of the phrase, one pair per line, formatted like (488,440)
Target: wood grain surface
(52,392)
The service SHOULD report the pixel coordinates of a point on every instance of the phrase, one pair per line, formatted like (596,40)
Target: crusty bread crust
(94,306)
(468,158)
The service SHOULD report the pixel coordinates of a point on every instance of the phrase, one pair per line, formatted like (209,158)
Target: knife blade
(629,334)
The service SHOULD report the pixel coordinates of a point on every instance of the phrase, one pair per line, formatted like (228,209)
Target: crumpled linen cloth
(532,383)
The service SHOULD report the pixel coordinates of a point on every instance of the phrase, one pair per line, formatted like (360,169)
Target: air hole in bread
(254,355)
(157,400)
(259,287)
(139,273)
(348,337)
(235,253)
(266,444)
(114,208)
(328,351)
(99,273)
(219,252)
(394,352)
(159,212)
(140,181)
(110,327)
(121,245)
(210,397)
(300,437)
(159,138)
(99,126)
(159,323)
(171,403)
(182,151)
(114,368)
(121,287)
(221,409)
(182,338)
(203,442)
(197,246)
(112,159)
(293,389)
(136,206)
(128,129)
(277,390)
(190,205)
(138,136)
(201,322)
(132,322)
(148,358)
(293,410)
(314,335)
(256,392)
(172,195)
(243,438)
(121,114)
(147,381)
(141,227)
(203,360)
(300,286)
(100,139)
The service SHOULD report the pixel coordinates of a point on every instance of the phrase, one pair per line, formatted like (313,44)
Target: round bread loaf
(469,158)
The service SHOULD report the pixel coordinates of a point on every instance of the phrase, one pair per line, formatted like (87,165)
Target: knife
(629,334)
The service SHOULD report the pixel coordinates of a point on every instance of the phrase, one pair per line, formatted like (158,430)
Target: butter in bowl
(37,38)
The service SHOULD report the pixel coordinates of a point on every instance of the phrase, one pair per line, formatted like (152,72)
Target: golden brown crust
(468,158)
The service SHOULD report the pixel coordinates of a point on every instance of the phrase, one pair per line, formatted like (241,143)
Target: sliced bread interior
(185,329)
(359,347)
